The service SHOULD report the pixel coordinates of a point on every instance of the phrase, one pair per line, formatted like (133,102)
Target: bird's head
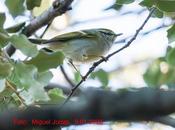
(108,34)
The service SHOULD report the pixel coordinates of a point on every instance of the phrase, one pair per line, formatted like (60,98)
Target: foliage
(161,71)
(102,76)
(124,1)
(27,78)
(171,34)
(15,28)
(32,3)
(24,45)
(44,61)
(16,7)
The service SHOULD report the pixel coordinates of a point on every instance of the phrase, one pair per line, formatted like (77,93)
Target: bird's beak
(119,34)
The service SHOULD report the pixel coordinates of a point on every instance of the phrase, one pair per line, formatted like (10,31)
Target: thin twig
(167,120)
(58,8)
(45,30)
(61,67)
(66,76)
(95,64)
(144,33)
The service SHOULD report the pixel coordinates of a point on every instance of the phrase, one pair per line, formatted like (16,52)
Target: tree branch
(66,77)
(145,33)
(167,120)
(66,89)
(58,8)
(145,104)
(96,64)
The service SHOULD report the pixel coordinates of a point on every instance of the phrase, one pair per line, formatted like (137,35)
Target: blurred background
(123,70)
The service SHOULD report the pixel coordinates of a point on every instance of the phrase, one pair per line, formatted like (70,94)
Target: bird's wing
(72,35)
(37,41)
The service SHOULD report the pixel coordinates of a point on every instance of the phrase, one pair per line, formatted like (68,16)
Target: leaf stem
(17,93)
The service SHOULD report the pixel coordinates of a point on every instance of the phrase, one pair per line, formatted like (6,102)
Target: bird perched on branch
(81,46)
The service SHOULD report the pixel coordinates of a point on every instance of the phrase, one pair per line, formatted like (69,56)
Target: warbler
(84,45)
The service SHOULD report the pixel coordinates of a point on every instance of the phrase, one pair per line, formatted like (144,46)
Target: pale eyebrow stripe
(82,32)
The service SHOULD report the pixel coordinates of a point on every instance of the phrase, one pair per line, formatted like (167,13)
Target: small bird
(82,46)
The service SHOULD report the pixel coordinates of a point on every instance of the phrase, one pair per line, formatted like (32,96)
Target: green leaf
(44,61)
(166,5)
(171,34)
(24,45)
(23,76)
(32,3)
(170,56)
(163,5)
(152,74)
(4,38)
(15,7)
(27,77)
(2,19)
(38,93)
(159,73)
(102,76)
(5,69)
(56,95)
(44,77)
(124,1)
(157,13)
(15,28)
(77,77)
(147,3)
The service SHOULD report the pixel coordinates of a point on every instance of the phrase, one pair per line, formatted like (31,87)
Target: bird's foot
(104,58)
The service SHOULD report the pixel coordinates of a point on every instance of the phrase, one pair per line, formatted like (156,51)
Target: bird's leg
(71,62)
